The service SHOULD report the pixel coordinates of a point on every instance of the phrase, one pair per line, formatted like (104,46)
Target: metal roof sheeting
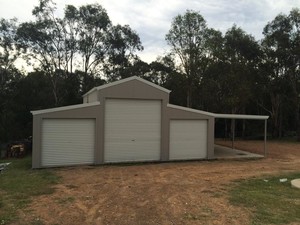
(36,112)
(221,116)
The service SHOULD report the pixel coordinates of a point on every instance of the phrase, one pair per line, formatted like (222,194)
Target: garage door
(132,130)
(188,139)
(68,141)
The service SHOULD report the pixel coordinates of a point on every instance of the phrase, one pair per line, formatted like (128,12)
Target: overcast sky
(151,19)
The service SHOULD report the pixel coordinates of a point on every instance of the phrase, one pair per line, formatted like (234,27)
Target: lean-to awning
(247,117)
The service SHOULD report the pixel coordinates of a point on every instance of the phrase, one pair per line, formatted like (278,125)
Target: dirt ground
(163,193)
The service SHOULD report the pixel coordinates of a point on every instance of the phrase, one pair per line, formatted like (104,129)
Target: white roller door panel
(132,130)
(188,139)
(68,141)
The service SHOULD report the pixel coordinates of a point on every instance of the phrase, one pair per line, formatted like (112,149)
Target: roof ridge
(124,81)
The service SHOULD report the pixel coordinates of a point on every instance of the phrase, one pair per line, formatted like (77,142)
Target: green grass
(203,215)
(271,201)
(18,183)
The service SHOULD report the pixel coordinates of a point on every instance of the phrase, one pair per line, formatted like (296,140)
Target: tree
(281,45)
(232,67)
(241,57)
(90,25)
(8,56)
(43,42)
(231,72)
(211,69)
(9,77)
(187,38)
(164,72)
(33,92)
(83,40)
(123,42)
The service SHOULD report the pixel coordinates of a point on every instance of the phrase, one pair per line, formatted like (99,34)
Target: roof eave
(241,116)
(220,116)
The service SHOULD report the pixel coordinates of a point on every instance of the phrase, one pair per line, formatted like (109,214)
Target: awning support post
(265,140)
(233,132)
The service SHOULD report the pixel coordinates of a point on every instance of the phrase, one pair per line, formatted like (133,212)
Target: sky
(151,19)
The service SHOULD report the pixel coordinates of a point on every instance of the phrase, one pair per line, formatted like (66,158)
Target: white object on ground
(283,180)
(3,165)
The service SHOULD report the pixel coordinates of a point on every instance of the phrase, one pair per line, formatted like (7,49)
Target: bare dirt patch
(164,193)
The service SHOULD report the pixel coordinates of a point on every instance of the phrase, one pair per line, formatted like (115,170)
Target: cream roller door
(67,142)
(188,139)
(132,130)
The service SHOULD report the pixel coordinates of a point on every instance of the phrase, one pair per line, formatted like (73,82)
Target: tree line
(205,69)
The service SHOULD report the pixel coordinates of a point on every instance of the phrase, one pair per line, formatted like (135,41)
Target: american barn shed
(125,121)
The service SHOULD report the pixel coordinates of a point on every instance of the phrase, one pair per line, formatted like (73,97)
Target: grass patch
(18,183)
(271,201)
(203,214)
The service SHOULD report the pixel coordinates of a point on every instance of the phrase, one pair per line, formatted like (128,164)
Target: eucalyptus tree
(8,56)
(241,57)
(281,46)
(167,74)
(43,43)
(91,25)
(187,38)
(83,40)
(240,66)
(162,70)
(8,51)
(123,42)
(231,70)
(9,76)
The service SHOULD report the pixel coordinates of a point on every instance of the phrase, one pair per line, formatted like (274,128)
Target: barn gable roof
(124,81)
(142,81)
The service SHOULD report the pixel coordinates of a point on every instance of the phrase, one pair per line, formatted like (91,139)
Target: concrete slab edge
(295,183)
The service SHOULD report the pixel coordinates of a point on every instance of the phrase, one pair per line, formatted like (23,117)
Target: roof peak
(127,80)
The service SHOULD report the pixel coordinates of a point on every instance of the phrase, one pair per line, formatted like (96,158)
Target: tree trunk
(298,120)
(226,130)
(232,128)
(298,130)
(244,125)
(189,97)
(276,102)
(280,130)
(53,78)
(244,129)
(297,108)
(233,111)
